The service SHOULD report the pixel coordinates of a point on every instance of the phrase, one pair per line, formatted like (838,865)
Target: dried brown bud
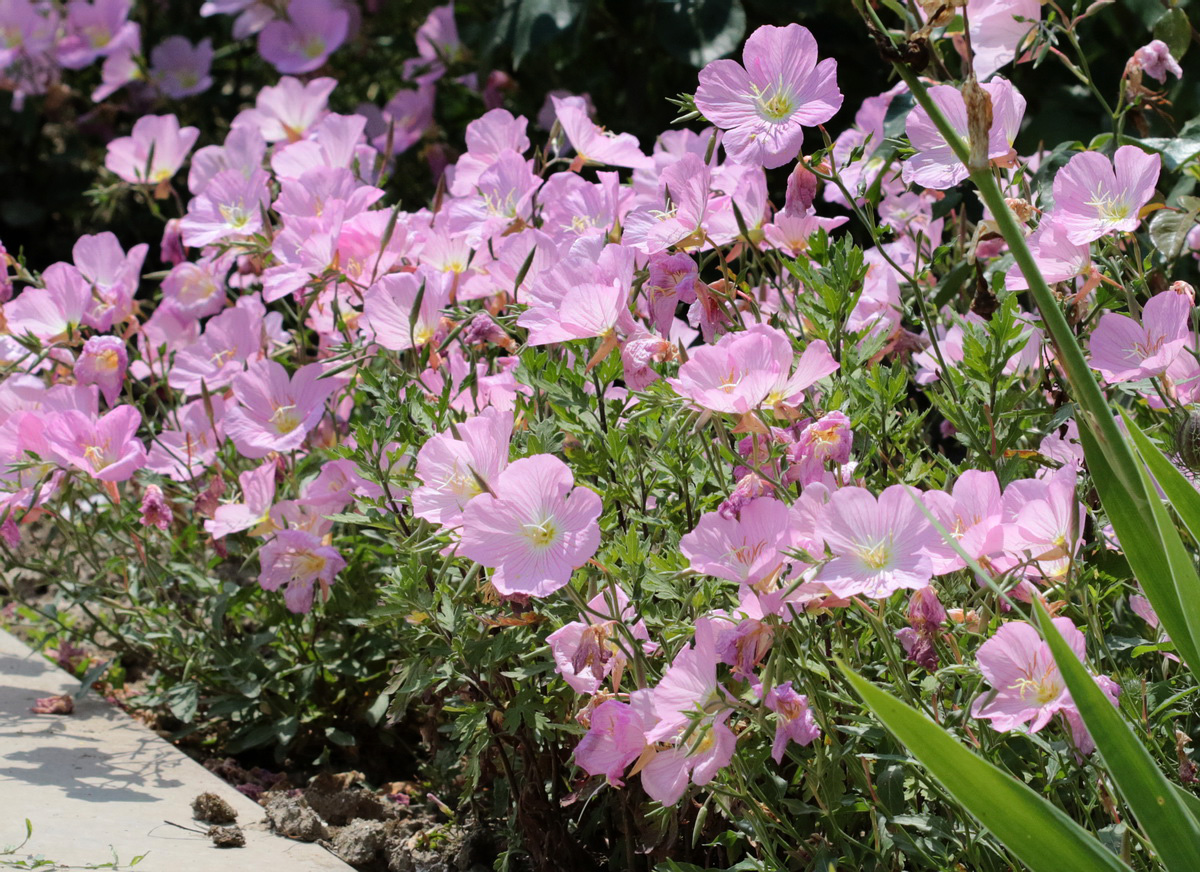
(979,124)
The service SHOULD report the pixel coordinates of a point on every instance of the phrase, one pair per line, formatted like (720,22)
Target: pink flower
(765,105)
(746,549)
(794,720)
(105,448)
(94,30)
(1093,196)
(879,545)
(391,312)
(1027,688)
(258,495)
(181,69)
(195,290)
(303,42)
(288,110)
(232,205)
(54,312)
(997,30)
(274,412)
(534,529)
(1044,519)
(935,164)
(593,144)
(751,369)
(154,152)
(156,511)
(183,452)
(615,738)
(972,514)
(112,275)
(1058,258)
(1123,350)
(103,362)
(1155,60)
(825,441)
(297,558)
(588,650)
(455,466)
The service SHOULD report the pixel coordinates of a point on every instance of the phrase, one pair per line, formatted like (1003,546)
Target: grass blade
(1035,830)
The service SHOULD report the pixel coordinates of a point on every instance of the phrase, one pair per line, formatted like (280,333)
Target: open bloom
(154,151)
(535,529)
(879,545)
(105,448)
(1124,350)
(765,105)
(1094,196)
(1027,688)
(297,558)
(274,412)
(455,466)
(616,737)
(746,549)
(258,494)
(305,40)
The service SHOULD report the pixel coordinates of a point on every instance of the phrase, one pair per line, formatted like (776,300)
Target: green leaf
(1169,230)
(1152,545)
(1175,30)
(1035,830)
(1162,814)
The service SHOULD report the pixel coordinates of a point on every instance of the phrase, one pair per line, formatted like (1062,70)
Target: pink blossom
(747,549)
(184,451)
(312,31)
(252,513)
(588,650)
(231,206)
(288,110)
(156,511)
(615,738)
(535,527)
(405,118)
(794,720)
(105,448)
(1123,350)
(765,105)
(181,69)
(750,369)
(822,442)
(1058,259)
(935,164)
(488,137)
(52,313)
(455,466)
(230,340)
(297,558)
(1027,688)
(972,514)
(594,144)
(154,152)
(275,412)
(997,28)
(1044,519)
(195,290)
(103,362)
(879,545)
(391,311)
(93,30)
(1093,196)
(112,275)
(1155,60)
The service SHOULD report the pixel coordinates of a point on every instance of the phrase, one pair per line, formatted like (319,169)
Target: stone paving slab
(97,781)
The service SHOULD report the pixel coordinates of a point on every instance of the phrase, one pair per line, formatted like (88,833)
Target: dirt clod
(211,809)
(359,842)
(227,837)
(291,816)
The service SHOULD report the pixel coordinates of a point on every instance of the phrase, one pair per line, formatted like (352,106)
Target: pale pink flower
(52,313)
(195,290)
(181,69)
(297,558)
(106,448)
(879,545)
(275,412)
(794,720)
(290,109)
(765,105)
(822,442)
(588,650)
(746,549)
(534,529)
(935,165)
(1058,259)
(594,144)
(390,308)
(154,152)
(972,513)
(230,340)
(112,275)
(1156,61)
(997,30)
(231,206)
(1044,519)
(303,41)
(455,466)
(488,137)
(1027,688)
(103,362)
(181,453)
(1123,350)
(1094,196)
(750,369)
(253,512)
(615,738)
(93,30)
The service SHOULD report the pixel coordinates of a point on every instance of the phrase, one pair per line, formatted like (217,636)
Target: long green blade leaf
(1037,831)
(1154,559)
(1162,814)
(1183,496)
